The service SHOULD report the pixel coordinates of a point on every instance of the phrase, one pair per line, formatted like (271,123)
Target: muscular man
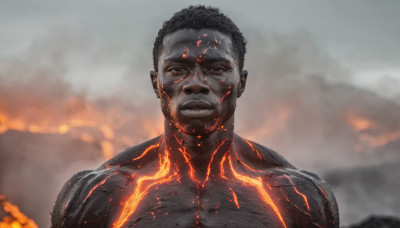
(199,173)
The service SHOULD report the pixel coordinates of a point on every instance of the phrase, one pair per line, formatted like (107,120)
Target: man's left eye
(217,69)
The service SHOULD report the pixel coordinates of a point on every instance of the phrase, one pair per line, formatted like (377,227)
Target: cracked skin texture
(96,198)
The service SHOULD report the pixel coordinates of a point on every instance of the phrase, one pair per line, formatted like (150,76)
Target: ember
(12,217)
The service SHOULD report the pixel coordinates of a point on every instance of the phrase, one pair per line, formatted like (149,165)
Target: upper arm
(307,199)
(68,190)
(88,197)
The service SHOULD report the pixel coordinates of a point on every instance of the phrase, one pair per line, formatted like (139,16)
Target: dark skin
(198,173)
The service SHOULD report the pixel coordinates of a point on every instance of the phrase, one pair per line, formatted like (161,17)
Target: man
(198,173)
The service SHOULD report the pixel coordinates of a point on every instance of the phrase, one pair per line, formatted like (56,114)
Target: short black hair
(199,17)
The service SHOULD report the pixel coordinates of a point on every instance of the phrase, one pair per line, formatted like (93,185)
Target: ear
(242,82)
(154,83)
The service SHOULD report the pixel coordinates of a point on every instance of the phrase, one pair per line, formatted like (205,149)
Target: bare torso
(250,186)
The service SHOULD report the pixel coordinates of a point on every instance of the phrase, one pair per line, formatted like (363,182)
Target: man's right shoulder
(86,198)
(85,194)
(142,152)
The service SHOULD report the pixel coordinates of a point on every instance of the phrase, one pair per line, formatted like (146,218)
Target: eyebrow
(191,59)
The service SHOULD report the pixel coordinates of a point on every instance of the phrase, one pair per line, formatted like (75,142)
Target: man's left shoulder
(305,196)
(261,155)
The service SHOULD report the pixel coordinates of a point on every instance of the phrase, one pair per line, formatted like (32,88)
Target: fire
(14,218)
(79,119)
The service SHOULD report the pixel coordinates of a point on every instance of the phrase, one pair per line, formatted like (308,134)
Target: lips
(196,108)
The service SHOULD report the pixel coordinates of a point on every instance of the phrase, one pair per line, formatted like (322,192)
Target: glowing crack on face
(223,97)
(185,53)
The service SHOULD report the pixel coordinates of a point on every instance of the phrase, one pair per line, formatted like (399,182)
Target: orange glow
(187,157)
(14,218)
(62,129)
(299,193)
(366,129)
(224,96)
(178,80)
(258,184)
(247,166)
(358,123)
(147,150)
(107,131)
(87,138)
(222,167)
(185,53)
(98,185)
(108,149)
(235,198)
(143,184)
(209,164)
(379,140)
(252,148)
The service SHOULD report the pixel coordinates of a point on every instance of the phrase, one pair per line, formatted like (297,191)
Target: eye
(217,70)
(176,70)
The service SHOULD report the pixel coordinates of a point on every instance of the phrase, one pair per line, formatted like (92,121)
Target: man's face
(198,80)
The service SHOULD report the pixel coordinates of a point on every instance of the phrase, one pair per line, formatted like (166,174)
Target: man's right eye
(176,70)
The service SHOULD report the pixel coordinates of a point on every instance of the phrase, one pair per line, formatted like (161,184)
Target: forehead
(217,42)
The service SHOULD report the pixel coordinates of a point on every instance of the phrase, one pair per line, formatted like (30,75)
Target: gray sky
(362,35)
(310,62)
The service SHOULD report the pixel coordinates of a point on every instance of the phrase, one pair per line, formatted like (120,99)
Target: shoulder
(89,192)
(306,197)
(88,197)
(263,156)
(145,150)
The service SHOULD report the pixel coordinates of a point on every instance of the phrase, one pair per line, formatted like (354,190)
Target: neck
(198,155)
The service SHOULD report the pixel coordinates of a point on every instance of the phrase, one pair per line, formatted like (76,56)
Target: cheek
(227,91)
(168,99)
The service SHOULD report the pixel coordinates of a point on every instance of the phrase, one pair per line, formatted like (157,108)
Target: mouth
(196,108)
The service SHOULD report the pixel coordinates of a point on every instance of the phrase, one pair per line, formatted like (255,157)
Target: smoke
(301,103)
(50,129)
(298,101)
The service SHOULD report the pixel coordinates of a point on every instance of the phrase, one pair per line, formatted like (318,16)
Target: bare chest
(217,204)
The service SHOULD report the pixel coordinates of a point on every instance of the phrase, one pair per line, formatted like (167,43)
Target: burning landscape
(308,113)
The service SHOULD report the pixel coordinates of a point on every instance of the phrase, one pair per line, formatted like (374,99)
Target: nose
(196,85)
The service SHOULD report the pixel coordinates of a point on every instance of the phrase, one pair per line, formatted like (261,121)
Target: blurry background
(323,90)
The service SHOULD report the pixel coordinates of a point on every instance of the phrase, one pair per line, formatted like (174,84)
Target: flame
(79,119)
(14,218)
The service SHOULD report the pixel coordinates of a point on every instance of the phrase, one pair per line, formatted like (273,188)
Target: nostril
(204,91)
(188,91)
